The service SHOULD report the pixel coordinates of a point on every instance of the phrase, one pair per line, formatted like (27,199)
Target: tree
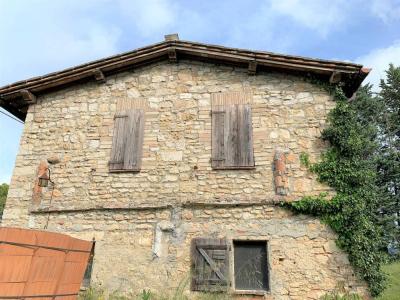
(3,197)
(389,152)
(362,164)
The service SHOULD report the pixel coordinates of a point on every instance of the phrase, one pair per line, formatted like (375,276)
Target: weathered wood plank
(245,128)
(212,264)
(118,144)
(235,126)
(231,141)
(217,139)
(134,135)
(209,264)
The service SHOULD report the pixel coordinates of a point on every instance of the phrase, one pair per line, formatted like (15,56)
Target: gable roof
(16,97)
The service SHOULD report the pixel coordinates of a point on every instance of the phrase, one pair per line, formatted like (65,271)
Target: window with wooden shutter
(209,265)
(126,152)
(250,266)
(232,137)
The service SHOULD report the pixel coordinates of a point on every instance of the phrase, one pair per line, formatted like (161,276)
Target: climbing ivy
(349,166)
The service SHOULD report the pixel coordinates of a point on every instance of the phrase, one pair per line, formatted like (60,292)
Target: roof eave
(14,97)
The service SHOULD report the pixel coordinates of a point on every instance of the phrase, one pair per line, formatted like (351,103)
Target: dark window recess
(127,145)
(250,265)
(232,137)
(88,273)
(209,260)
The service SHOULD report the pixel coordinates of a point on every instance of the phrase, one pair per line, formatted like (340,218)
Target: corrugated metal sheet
(41,265)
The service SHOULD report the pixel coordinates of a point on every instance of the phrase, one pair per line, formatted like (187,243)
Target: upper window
(232,131)
(126,153)
(250,265)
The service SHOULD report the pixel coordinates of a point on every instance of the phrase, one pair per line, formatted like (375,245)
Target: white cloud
(386,10)
(149,16)
(44,36)
(320,16)
(378,60)
(52,36)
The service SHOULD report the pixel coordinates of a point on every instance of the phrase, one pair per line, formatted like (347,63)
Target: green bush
(349,166)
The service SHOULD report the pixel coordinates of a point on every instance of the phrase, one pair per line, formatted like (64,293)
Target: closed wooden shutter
(217,139)
(232,137)
(118,145)
(209,264)
(126,153)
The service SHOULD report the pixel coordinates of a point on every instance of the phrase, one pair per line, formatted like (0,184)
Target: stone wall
(76,126)
(304,261)
(71,132)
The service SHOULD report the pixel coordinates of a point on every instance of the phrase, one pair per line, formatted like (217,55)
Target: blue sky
(41,36)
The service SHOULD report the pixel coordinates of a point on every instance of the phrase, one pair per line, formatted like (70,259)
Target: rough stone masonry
(143,222)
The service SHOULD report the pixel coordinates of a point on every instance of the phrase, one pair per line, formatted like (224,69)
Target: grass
(96,293)
(338,296)
(392,292)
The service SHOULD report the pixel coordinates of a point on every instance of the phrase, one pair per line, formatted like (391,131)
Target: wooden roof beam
(28,97)
(252,69)
(172,55)
(335,77)
(99,76)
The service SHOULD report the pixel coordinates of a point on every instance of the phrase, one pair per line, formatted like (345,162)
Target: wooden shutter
(126,153)
(217,139)
(209,264)
(232,137)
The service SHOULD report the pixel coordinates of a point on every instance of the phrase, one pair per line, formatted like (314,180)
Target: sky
(42,36)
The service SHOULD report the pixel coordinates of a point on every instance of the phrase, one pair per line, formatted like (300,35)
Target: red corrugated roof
(41,265)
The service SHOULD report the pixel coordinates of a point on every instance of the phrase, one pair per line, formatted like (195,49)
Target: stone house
(173,158)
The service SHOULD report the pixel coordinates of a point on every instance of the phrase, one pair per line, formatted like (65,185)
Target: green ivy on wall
(349,167)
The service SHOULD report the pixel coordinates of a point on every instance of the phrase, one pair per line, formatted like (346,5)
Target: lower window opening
(250,266)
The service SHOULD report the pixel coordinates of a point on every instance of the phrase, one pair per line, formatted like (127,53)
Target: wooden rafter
(172,55)
(28,97)
(193,49)
(22,93)
(335,77)
(99,76)
(252,69)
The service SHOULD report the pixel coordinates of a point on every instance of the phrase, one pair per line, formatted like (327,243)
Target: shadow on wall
(3,197)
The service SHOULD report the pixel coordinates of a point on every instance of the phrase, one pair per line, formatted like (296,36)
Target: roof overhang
(16,97)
